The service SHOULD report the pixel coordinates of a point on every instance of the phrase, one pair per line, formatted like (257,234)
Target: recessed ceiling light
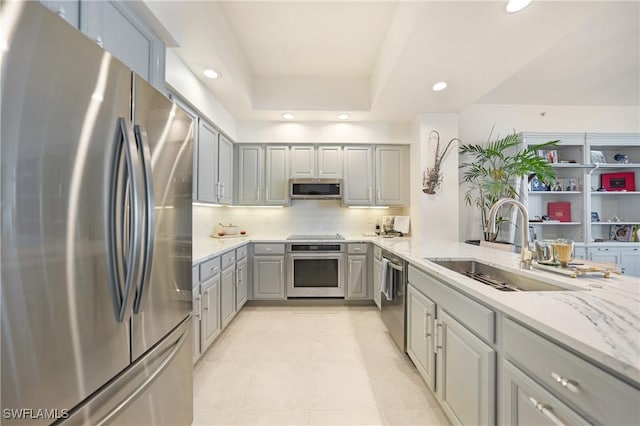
(517,5)
(441,85)
(211,73)
(343,116)
(287,116)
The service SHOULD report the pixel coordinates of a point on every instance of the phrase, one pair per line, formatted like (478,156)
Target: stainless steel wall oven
(315,269)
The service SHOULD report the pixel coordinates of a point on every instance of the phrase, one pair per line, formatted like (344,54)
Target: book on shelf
(559,210)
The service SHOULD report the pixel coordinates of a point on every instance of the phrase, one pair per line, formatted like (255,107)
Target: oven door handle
(396,267)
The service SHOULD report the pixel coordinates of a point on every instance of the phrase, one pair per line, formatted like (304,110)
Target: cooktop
(316,237)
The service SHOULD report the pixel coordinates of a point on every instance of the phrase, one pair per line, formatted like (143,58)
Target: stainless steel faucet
(525,254)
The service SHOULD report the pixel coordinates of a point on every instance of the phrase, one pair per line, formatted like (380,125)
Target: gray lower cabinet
(242,286)
(357,277)
(228,295)
(421,312)
(268,277)
(524,402)
(210,322)
(465,373)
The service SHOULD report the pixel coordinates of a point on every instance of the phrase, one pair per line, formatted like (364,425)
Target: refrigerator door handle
(136,209)
(145,384)
(149,220)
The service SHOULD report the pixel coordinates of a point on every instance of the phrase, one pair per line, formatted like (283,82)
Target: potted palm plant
(494,170)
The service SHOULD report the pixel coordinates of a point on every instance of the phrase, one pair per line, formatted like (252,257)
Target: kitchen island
(596,320)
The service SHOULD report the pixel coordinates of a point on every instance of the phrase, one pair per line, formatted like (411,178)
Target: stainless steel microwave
(315,189)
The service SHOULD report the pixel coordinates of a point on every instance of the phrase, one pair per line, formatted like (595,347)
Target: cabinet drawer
(472,314)
(377,252)
(599,395)
(266,248)
(228,259)
(359,248)
(209,268)
(241,252)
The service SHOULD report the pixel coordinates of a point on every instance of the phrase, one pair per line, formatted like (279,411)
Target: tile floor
(310,365)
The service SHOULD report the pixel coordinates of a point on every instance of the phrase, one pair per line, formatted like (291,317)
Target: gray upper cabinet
(358,176)
(225,171)
(309,161)
(116,26)
(329,162)
(277,176)
(465,373)
(381,182)
(207,162)
(69,10)
(250,175)
(303,161)
(392,175)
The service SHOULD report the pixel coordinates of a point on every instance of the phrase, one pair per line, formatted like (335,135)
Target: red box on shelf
(559,210)
(625,181)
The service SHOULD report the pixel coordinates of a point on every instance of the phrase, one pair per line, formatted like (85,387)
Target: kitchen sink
(500,279)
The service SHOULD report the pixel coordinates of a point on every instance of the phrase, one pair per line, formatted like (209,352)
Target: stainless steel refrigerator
(96,234)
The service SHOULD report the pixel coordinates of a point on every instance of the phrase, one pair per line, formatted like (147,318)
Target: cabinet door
(420,323)
(358,176)
(250,175)
(630,259)
(69,10)
(210,322)
(119,30)
(329,162)
(357,277)
(228,295)
(225,171)
(277,180)
(524,402)
(605,255)
(391,176)
(303,161)
(377,264)
(241,284)
(268,277)
(207,162)
(465,372)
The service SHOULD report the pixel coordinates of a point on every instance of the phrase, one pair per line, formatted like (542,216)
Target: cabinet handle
(100,42)
(357,249)
(62,13)
(438,336)
(258,193)
(546,410)
(566,383)
(427,325)
(350,268)
(281,268)
(378,192)
(268,249)
(222,190)
(206,294)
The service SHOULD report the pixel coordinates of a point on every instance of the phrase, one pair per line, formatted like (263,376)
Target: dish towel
(386,279)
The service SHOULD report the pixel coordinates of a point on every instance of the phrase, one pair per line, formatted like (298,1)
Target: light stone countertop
(601,323)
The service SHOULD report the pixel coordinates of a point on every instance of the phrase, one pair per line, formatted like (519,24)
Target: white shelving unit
(617,210)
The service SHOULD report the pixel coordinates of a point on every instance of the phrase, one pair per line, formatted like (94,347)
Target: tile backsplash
(302,217)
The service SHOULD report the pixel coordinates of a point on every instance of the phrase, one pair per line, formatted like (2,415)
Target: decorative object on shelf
(624,181)
(558,185)
(595,217)
(621,158)
(549,155)
(559,210)
(492,171)
(571,184)
(620,233)
(536,185)
(597,157)
(432,178)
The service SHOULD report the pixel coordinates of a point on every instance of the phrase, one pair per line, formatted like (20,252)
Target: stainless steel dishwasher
(393,311)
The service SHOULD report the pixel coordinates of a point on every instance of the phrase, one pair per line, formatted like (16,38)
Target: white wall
(182,81)
(434,216)
(476,121)
(324,132)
